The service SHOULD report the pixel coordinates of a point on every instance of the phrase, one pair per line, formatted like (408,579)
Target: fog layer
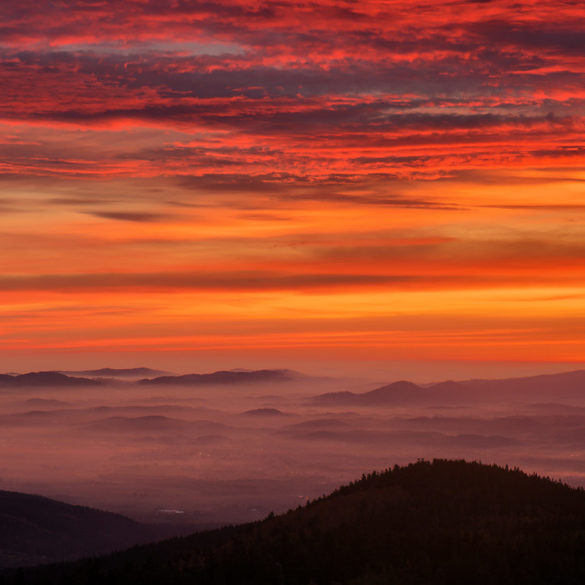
(212,453)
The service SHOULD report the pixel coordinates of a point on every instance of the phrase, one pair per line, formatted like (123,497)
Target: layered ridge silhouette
(565,385)
(51,379)
(439,522)
(226,377)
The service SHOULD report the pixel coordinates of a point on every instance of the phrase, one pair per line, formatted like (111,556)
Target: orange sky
(238,183)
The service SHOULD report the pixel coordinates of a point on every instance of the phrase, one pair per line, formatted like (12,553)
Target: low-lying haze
(212,452)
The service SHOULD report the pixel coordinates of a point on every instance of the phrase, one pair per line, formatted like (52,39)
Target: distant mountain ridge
(117,372)
(564,385)
(439,523)
(63,378)
(226,377)
(264,412)
(397,393)
(49,378)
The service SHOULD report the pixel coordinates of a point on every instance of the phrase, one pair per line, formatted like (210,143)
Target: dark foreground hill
(445,522)
(36,530)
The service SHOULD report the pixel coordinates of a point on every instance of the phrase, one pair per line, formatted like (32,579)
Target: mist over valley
(229,447)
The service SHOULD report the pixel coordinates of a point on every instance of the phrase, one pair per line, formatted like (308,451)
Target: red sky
(261,182)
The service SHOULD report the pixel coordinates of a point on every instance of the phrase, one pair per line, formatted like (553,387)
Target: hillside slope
(35,530)
(445,522)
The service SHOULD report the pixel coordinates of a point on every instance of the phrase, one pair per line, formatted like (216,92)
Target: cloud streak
(262,158)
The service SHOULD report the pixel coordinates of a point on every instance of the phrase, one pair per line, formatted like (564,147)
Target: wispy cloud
(285,155)
(137,216)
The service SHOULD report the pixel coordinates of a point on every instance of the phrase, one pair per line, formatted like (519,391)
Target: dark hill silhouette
(439,523)
(264,412)
(117,372)
(401,392)
(52,379)
(34,530)
(226,377)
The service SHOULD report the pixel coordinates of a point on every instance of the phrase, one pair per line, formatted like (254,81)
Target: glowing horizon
(320,181)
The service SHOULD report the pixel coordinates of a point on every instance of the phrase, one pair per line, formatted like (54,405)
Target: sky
(238,183)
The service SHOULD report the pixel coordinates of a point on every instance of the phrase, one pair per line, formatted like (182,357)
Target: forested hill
(445,522)
(36,530)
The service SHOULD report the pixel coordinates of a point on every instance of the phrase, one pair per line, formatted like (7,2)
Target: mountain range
(226,377)
(117,372)
(62,378)
(567,385)
(51,379)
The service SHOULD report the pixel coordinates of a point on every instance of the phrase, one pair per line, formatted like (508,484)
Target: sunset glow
(373,180)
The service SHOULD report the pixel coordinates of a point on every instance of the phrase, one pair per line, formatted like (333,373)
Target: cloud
(252,281)
(141,217)
(301,89)
(448,121)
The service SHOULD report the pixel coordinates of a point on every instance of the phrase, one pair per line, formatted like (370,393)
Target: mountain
(118,372)
(397,393)
(450,391)
(34,530)
(44,379)
(264,412)
(439,523)
(226,377)
(565,385)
